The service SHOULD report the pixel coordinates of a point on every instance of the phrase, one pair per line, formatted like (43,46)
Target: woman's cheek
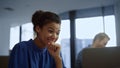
(49,35)
(56,39)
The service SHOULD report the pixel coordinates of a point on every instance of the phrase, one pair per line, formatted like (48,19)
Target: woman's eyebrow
(53,29)
(50,28)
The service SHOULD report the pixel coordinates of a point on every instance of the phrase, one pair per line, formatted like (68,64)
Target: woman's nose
(54,36)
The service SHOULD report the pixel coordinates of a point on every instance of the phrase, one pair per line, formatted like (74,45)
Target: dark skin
(46,37)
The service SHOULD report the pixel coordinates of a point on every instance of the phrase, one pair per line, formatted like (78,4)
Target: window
(87,28)
(64,40)
(110,30)
(14,36)
(27,32)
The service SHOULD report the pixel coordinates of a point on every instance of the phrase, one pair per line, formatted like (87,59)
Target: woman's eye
(58,33)
(50,31)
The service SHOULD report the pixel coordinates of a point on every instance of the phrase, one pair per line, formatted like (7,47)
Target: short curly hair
(41,18)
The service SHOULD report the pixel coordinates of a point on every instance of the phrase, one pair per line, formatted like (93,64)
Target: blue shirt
(27,55)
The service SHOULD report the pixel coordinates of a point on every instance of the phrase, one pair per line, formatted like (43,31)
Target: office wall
(117,16)
(6,21)
(4,38)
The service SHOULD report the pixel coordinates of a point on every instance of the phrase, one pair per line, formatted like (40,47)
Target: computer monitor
(108,57)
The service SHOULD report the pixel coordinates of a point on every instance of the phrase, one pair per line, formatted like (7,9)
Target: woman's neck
(39,43)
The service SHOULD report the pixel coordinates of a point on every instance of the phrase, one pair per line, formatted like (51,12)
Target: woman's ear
(37,29)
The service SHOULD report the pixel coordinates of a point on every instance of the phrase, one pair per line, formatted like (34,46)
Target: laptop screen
(108,57)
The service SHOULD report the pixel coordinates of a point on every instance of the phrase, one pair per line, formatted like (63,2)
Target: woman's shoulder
(23,44)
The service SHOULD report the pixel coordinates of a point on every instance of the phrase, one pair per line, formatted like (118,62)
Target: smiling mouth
(50,40)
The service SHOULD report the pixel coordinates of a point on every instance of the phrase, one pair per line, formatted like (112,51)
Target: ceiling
(21,10)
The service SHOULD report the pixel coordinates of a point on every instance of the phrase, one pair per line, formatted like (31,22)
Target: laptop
(108,57)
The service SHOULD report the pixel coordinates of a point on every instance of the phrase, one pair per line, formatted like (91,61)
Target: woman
(42,52)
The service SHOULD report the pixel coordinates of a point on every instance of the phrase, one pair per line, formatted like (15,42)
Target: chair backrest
(4,61)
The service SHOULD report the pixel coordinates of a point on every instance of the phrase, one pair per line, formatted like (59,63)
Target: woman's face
(49,33)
